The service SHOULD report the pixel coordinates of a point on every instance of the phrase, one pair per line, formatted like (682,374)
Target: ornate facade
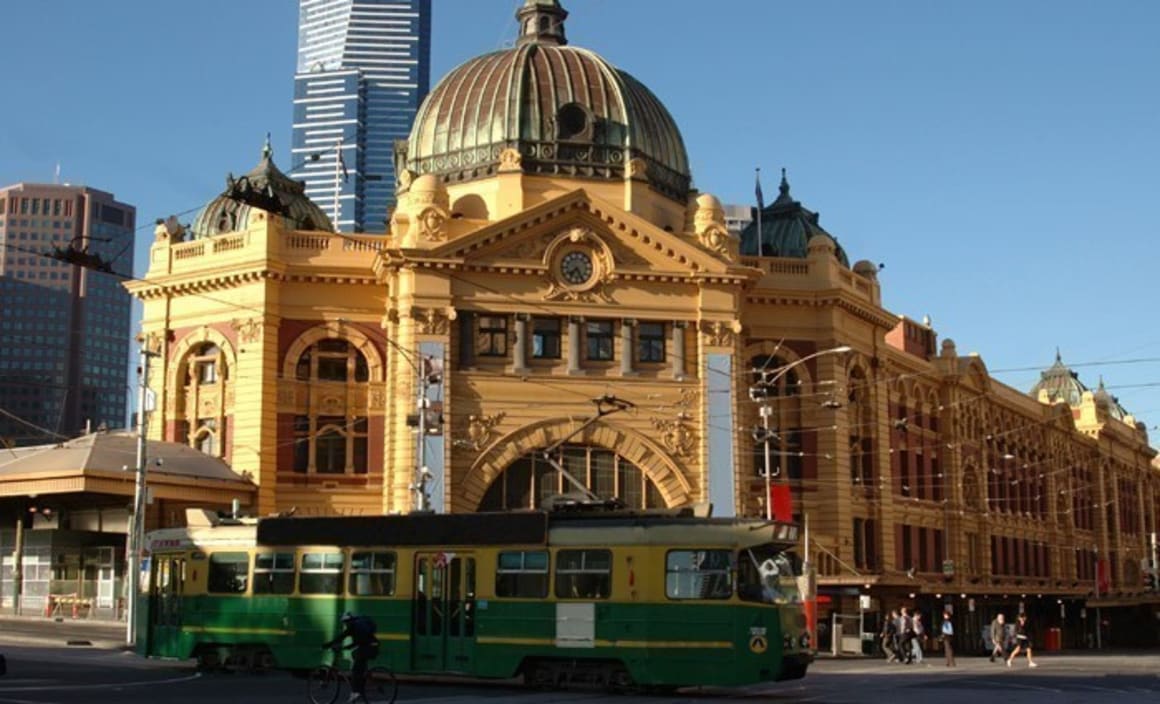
(546,251)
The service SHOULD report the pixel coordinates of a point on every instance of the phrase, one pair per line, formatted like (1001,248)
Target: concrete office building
(65,329)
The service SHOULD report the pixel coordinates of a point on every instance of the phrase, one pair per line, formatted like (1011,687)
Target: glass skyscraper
(363,69)
(64,329)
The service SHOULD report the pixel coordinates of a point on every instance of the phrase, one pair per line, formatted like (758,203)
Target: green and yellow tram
(611,598)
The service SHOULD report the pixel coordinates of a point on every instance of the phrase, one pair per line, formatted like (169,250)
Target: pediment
(634,246)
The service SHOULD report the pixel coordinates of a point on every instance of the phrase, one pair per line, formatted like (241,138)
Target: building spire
(541,22)
(783,187)
(267,150)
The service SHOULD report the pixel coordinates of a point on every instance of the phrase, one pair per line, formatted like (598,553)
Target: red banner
(781,502)
(1103,577)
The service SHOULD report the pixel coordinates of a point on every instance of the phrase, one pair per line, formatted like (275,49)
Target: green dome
(786,230)
(266,188)
(566,111)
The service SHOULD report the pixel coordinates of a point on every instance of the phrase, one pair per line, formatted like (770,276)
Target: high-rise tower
(363,69)
(64,329)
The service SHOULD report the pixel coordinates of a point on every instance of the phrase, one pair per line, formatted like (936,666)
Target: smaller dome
(786,230)
(266,188)
(1060,383)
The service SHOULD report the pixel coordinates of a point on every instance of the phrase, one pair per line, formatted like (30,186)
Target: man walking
(998,638)
(890,637)
(919,637)
(905,637)
(948,636)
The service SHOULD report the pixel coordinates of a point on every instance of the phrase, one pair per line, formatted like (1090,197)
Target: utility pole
(1099,620)
(137,525)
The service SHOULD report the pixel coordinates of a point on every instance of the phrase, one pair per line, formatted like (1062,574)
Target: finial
(783,188)
(541,22)
(267,150)
(1058,357)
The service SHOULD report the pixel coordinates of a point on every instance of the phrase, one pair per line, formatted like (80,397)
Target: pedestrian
(919,639)
(948,636)
(890,637)
(905,636)
(1022,641)
(998,638)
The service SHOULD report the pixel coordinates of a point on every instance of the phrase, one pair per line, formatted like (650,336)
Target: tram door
(166,590)
(443,613)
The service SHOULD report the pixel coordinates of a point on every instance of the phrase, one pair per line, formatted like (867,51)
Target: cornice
(836,298)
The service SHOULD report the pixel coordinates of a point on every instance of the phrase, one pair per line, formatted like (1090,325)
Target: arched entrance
(531,479)
(612,460)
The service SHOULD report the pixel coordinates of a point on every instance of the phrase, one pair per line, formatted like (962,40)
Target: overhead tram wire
(732,376)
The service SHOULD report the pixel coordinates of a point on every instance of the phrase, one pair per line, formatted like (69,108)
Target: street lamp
(775,375)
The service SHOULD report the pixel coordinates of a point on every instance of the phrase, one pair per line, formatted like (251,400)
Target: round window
(572,121)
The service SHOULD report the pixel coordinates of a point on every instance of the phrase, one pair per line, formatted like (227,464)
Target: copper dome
(564,109)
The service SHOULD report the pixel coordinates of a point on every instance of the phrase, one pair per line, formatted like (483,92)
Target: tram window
(583,574)
(522,574)
(372,574)
(321,573)
(698,574)
(228,572)
(274,573)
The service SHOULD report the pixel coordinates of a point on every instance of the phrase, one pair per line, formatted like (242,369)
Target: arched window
(860,418)
(783,396)
(531,480)
(332,360)
(325,440)
(202,419)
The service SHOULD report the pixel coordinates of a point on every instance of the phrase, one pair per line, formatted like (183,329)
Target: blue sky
(1000,158)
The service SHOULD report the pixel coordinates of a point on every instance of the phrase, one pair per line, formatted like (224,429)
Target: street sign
(949,568)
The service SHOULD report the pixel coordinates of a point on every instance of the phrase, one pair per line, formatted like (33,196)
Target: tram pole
(137,524)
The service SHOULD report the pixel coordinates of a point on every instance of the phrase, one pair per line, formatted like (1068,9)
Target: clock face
(576,267)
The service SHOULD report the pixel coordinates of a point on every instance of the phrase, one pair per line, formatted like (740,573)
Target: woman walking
(948,636)
(1022,641)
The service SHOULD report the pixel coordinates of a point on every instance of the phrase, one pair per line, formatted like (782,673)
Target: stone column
(679,350)
(574,346)
(466,340)
(520,353)
(626,328)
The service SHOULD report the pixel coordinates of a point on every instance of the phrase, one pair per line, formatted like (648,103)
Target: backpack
(364,628)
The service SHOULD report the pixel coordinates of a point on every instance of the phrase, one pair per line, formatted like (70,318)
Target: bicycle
(326,682)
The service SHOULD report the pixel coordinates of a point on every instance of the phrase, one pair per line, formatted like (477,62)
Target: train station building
(548,251)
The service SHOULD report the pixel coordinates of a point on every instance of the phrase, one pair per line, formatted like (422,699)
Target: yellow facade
(541,292)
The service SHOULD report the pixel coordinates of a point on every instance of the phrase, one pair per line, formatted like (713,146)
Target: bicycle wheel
(324,685)
(382,687)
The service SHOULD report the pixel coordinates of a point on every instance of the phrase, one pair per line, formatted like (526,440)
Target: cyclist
(364,647)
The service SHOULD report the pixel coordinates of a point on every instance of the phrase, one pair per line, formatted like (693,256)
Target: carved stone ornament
(715,238)
(378,398)
(481,430)
(510,160)
(431,224)
(431,322)
(331,406)
(676,434)
(971,490)
(637,168)
(249,331)
(718,333)
(286,396)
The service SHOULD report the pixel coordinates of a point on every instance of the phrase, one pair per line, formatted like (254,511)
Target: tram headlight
(804,641)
